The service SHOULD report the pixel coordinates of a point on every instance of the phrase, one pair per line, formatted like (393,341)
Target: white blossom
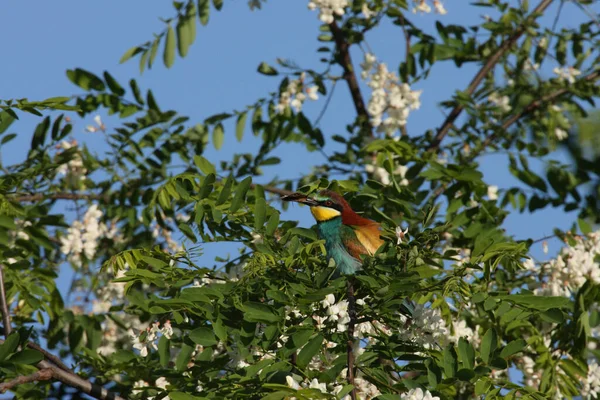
(83,236)
(391,101)
(567,74)
(439,7)
(572,268)
(427,327)
(422,6)
(400,234)
(560,134)
(328,9)
(502,102)
(492,192)
(73,170)
(591,383)
(293,95)
(366,11)
(418,394)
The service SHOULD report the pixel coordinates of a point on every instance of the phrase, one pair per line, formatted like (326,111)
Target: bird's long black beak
(300,198)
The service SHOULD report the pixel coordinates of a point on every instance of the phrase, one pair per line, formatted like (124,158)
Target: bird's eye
(328,203)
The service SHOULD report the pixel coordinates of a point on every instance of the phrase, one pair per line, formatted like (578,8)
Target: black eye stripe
(331,205)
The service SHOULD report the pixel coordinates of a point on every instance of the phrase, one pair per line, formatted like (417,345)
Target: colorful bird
(347,235)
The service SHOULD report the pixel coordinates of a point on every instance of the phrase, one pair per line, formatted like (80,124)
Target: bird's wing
(361,239)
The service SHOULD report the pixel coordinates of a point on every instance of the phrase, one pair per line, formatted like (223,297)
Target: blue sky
(44,39)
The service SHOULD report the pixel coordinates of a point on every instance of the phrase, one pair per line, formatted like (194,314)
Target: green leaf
(240,126)
(240,194)
(513,347)
(183,358)
(27,356)
(187,231)
(9,345)
(466,353)
(259,312)
(204,165)
(260,211)
(266,69)
(203,336)
(39,136)
(164,351)
(113,85)
(273,223)
(5,121)
(540,303)
(309,351)
(183,396)
(184,39)
(130,53)
(489,344)
(482,386)
(203,11)
(85,80)
(450,362)
(218,136)
(169,50)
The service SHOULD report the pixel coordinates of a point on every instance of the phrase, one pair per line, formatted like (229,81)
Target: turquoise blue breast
(330,231)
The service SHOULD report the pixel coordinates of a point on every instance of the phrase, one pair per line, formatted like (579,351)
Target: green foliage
(271,321)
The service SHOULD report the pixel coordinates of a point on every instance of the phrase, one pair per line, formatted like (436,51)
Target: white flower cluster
(99,125)
(83,236)
(567,74)
(389,96)
(572,268)
(328,9)
(560,133)
(461,330)
(74,171)
(427,327)
(294,95)
(160,383)
(336,312)
(380,174)
(501,102)
(147,340)
(418,394)
(591,383)
(532,376)
(423,7)
(365,390)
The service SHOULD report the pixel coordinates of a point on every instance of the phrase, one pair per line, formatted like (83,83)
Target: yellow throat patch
(324,213)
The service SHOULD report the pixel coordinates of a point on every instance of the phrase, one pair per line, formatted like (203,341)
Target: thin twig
(534,105)
(350,342)
(45,374)
(345,61)
(487,67)
(4,305)
(326,105)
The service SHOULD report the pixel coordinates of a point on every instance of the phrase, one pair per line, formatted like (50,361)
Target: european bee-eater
(347,235)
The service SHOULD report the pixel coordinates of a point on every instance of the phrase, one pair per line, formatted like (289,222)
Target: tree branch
(45,374)
(349,76)
(4,305)
(487,67)
(534,105)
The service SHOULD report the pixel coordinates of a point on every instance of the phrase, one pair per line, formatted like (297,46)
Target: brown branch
(487,67)
(45,374)
(50,357)
(4,305)
(77,382)
(350,342)
(349,76)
